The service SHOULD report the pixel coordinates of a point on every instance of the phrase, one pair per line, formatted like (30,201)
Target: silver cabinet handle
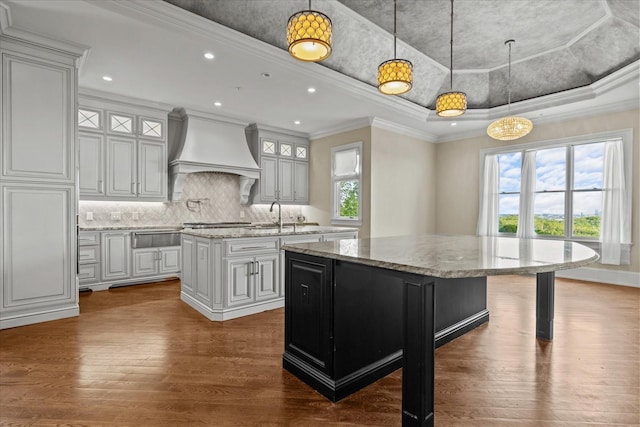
(250,269)
(133,187)
(256,267)
(100,186)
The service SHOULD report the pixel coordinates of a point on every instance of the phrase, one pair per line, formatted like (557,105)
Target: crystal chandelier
(510,127)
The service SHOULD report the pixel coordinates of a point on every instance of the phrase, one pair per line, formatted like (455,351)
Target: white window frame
(335,199)
(627,142)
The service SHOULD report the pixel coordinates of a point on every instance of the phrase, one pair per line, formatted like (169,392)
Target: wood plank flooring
(138,356)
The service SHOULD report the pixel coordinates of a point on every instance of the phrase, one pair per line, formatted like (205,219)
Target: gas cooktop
(215,224)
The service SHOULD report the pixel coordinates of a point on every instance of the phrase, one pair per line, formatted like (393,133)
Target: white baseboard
(42,316)
(613,277)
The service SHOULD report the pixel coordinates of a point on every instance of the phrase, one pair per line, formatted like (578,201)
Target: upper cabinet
(123,150)
(284,159)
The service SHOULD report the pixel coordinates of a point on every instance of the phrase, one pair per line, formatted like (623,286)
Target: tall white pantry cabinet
(38,199)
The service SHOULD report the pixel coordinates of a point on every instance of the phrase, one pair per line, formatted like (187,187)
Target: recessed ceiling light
(107,78)
(297,122)
(217,104)
(209,55)
(311,90)
(454,124)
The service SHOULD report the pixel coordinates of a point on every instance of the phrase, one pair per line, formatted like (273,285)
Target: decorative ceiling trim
(363,122)
(379,123)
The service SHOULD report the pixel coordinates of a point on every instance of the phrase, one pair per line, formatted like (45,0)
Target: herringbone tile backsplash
(219,196)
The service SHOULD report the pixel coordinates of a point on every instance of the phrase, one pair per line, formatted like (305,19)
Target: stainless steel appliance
(155,238)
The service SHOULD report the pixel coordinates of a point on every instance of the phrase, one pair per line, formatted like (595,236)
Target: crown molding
(363,122)
(129,101)
(379,123)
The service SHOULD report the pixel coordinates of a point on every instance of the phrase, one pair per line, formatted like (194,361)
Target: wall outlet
(241,214)
(135,216)
(89,216)
(116,216)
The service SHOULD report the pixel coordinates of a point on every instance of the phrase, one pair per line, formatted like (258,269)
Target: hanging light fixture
(451,104)
(395,76)
(309,35)
(510,127)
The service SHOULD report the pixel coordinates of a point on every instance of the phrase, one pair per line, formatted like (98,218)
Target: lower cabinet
(154,261)
(106,258)
(228,278)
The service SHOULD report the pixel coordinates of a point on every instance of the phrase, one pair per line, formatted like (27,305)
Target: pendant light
(451,104)
(309,35)
(395,76)
(510,127)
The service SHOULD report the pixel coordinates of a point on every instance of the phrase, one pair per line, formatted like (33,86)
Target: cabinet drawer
(86,238)
(245,246)
(306,238)
(88,254)
(340,236)
(88,273)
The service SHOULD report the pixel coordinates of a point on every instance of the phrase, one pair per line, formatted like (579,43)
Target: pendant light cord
(509,42)
(395,7)
(451,51)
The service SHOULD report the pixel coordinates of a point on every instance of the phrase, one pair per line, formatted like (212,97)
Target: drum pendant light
(451,104)
(395,76)
(510,127)
(309,35)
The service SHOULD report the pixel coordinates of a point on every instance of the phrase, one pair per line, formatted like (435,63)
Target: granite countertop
(225,233)
(455,256)
(130,227)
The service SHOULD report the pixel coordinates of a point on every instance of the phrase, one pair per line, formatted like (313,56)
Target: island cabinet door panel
(203,287)
(189,261)
(240,279)
(308,310)
(367,318)
(267,280)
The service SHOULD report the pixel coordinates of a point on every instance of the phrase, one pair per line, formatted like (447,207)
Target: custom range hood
(201,142)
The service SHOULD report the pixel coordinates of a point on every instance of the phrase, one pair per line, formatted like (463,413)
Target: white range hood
(202,142)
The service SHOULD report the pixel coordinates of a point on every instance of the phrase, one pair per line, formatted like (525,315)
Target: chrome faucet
(279,214)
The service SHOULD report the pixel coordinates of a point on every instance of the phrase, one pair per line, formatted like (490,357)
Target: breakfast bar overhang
(356,310)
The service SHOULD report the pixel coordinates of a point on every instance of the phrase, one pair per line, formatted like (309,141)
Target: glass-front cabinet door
(269,147)
(121,124)
(301,152)
(286,149)
(151,128)
(89,119)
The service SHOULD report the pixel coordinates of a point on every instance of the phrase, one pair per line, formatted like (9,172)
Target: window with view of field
(568,190)
(345,175)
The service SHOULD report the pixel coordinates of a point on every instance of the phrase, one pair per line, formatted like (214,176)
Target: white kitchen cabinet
(135,152)
(91,176)
(154,261)
(251,279)
(233,277)
(283,157)
(38,255)
(121,167)
(88,258)
(116,255)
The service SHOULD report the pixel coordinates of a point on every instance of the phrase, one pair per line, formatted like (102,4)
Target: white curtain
(527,196)
(488,217)
(616,224)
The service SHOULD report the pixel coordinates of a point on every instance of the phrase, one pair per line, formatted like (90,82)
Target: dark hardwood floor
(138,356)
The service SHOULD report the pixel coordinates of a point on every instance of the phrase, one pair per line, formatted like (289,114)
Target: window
(567,179)
(346,169)
(575,189)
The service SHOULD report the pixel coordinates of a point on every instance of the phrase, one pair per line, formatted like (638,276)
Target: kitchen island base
(344,321)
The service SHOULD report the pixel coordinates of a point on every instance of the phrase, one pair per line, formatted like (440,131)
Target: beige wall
(397,185)
(457,173)
(402,184)
(319,209)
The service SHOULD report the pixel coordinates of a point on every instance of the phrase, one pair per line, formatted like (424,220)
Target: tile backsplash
(206,197)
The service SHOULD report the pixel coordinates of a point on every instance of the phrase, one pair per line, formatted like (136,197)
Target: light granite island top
(455,256)
(268,231)
(356,310)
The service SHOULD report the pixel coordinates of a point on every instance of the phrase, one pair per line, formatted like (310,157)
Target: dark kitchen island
(356,310)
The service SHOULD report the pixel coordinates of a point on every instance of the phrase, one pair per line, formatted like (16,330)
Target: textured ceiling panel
(560,44)
(606,49)
(480,27)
